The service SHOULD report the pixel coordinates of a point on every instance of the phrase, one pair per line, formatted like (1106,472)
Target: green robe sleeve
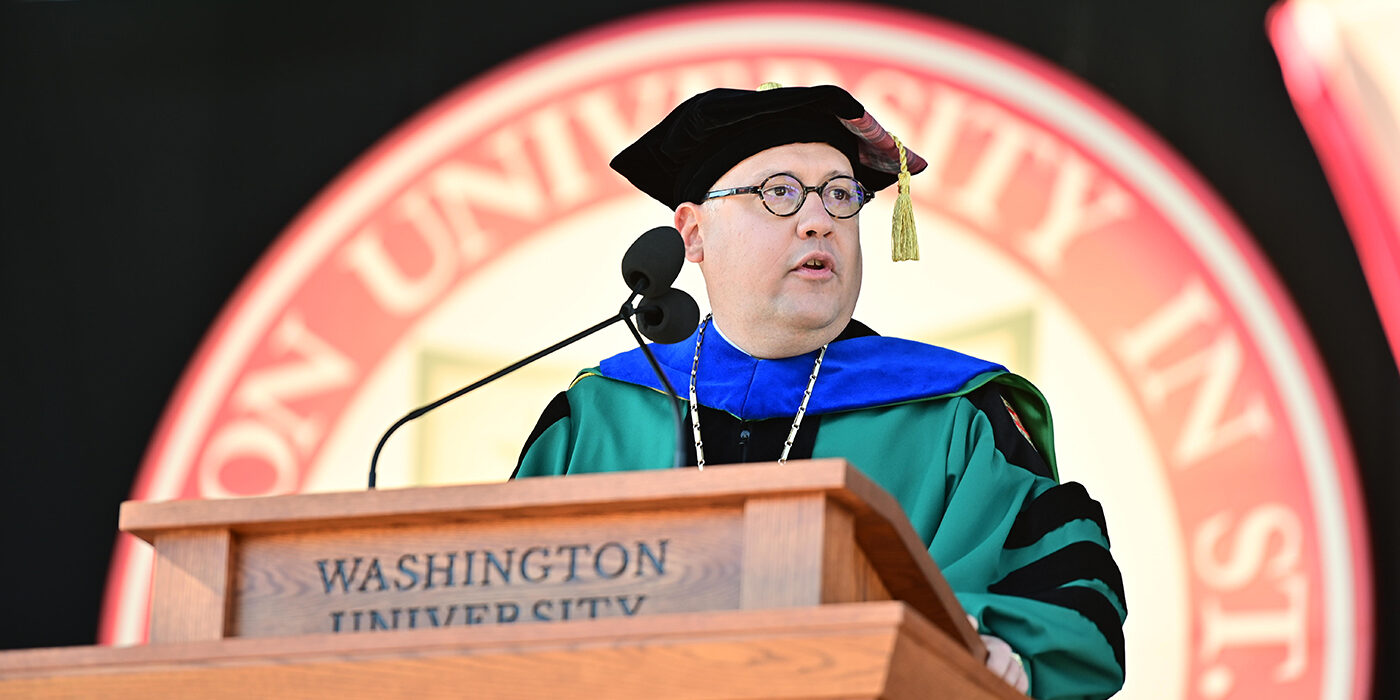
(1027,556)
(1039,575)
(600,425)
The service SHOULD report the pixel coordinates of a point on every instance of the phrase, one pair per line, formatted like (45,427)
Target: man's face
(776,282)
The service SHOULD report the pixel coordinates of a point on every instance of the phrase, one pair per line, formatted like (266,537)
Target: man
(766,186)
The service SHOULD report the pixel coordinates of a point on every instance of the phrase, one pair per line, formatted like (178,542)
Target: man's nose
(813,218)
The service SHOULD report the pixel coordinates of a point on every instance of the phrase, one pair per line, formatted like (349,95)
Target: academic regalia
(962,444)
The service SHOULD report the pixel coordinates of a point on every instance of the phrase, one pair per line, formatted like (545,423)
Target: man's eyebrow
(829,175)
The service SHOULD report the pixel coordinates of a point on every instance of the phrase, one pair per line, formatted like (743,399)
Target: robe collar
(860,370)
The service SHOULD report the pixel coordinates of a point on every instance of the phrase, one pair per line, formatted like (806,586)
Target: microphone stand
(678,455)
(418,412)
(624,314)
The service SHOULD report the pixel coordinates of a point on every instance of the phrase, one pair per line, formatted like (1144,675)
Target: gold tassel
(904,240)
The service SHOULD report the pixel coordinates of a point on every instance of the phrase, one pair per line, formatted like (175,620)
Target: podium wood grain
(808,532)
(830,651)
(736,582)
(191,575)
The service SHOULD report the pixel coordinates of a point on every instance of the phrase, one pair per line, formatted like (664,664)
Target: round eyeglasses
(783,194)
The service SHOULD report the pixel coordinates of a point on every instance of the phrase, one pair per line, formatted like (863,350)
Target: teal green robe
(1027,556)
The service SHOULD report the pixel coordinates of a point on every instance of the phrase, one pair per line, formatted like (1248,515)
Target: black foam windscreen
(653,261)
(668,318)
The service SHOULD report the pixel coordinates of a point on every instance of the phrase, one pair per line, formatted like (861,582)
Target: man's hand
(1002,660)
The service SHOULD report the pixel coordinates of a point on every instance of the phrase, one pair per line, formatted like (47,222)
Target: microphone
(649,267)
(667,315)
(653,261)
(668,318)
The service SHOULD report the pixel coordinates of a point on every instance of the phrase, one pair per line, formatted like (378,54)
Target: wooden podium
(753,581)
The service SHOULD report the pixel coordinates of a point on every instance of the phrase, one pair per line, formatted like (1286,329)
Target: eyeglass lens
(783,195)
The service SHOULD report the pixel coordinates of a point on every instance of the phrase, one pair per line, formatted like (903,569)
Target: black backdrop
(152,151)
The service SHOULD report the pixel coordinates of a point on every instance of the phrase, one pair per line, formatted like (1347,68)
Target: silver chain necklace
(695,404)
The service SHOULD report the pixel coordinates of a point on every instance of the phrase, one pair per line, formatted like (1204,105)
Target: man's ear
(687,221)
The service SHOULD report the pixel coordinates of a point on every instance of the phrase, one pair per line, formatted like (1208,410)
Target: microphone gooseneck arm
(418,412)
(648,268)
(678,459)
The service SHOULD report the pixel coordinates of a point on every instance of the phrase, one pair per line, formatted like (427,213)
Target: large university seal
(1059,238)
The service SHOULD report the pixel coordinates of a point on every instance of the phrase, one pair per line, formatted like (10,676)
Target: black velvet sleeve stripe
(1052,509)
(1081,560)
(557,410)
(1009,439)
(1092,605)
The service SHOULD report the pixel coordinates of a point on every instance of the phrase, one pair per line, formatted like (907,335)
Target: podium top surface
(621,491)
